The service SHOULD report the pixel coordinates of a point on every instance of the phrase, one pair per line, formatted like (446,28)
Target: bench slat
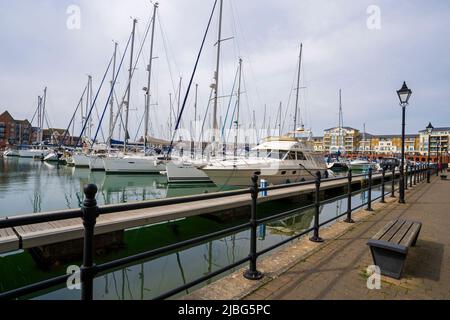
(388,235)
(402,232)
(412,234)
(385,229)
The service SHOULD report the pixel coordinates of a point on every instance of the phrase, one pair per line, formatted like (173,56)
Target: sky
(365,48)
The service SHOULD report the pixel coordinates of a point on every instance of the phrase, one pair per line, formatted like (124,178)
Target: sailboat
(39,151)
(186,170)
(282,159)
(136,163)
(337,164)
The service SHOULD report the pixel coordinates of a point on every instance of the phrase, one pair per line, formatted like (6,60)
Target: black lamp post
(403,94)
(429,131)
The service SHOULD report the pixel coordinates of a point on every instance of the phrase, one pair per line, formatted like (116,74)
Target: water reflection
(48,187)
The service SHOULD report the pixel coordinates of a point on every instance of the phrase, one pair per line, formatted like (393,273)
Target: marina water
(28,186)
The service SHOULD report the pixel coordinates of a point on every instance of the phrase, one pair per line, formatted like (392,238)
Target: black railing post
(349,198)
(406,177)
(90,214)
(253,273)
(411,176)
(393,182)
(316,237)
(415,174)
(383,176)
(369,196)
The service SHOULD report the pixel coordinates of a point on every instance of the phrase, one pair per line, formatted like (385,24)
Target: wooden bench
(390,246)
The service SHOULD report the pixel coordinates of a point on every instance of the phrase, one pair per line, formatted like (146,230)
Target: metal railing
(90,212)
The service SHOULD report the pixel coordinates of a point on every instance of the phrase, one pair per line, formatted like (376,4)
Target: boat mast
(364,139)
(298,89)
(130,76)
(43,115)
(111,101)
(195,111)
(88,131)
(149,69)
(216,84)
(341,121)
(39,136)
(238,108)
(279,115)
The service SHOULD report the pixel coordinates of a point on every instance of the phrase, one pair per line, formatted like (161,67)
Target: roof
(346,128)
(281,143)
(437,129)
(6,114)
(392,136)
(368,135)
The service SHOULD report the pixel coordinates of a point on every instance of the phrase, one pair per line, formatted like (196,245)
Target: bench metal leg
(391,263)
(413,244)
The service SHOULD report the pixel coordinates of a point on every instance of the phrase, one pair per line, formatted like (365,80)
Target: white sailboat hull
(96,163)
(52,157)
(33,153)
(185,173)
(80,161)
(11,153)
(133,165)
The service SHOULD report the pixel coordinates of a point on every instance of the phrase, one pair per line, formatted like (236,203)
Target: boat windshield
(276,154)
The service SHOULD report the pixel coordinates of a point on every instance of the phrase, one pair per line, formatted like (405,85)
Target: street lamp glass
(404,94)
(430,128)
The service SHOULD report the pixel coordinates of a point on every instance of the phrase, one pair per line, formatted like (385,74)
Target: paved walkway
(337,269)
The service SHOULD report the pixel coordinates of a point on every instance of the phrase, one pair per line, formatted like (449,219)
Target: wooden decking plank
(408,239)
(8,240)
(385,229)
(401,232)
(393,230)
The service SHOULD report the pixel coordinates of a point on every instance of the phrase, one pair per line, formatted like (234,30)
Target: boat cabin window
(291,156)
(276,154)
(301,156)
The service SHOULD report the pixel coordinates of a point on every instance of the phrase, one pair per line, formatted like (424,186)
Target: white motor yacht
(287,160)
(362,165)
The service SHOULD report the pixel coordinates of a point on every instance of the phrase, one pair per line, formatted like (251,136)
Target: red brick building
(14,132)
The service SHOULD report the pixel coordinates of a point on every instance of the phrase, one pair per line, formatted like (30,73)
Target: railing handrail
(90,211)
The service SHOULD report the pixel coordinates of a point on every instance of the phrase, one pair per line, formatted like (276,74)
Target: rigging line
(289,101)
(139,128)
(231,123)
(96,96)
(206,115)
(132,74)
(248,59)
(192,78)
(229,105)
(98,117)
(167,52)
(61,142)
(34,115)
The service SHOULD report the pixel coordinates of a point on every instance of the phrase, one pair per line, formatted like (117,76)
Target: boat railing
(89,212)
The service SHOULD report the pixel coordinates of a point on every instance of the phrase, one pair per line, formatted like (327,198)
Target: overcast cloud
(340,51)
